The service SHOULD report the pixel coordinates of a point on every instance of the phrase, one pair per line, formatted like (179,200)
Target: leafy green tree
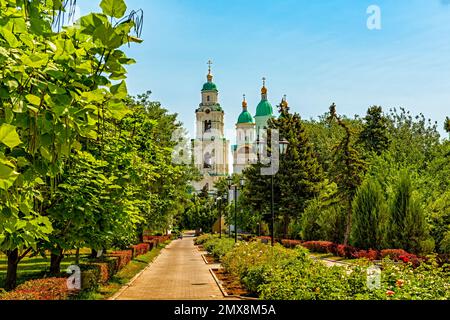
(374,135)
(348,168)
(369,214)
(54,89)
(413,139)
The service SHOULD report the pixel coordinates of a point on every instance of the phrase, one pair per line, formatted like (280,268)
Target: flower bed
(350,252)
(278,273)
(40,289)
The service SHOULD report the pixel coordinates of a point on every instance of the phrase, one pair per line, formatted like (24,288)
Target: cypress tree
(407,225)
(368,216)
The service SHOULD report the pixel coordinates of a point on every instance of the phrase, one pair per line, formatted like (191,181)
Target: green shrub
(218,247)
(203,238)
(248,255)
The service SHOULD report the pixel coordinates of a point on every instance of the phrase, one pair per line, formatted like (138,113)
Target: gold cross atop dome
(244,103)
(284,102)
(209,76)
(264,89)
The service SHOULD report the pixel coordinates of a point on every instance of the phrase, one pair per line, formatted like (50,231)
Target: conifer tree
(368,216)
(374,135)
(407,225)
(348,168)
(300,175)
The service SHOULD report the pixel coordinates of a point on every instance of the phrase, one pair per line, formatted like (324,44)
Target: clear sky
(316,52)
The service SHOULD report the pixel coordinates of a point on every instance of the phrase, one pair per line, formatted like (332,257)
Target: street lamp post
(236,187)
(219,207)
(283,144)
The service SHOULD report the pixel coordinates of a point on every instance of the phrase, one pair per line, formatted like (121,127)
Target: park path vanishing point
(178,273)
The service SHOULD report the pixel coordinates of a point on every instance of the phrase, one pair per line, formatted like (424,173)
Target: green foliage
(276,273)
(298,179)
(374,135)
(447,124)
(348,167)
(218,247)
(369,215)
(407,225)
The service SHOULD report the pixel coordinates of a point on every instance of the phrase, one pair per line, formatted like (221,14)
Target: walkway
(178,273)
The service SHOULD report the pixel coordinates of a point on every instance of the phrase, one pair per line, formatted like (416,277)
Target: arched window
(207,162)
(207,98)
(208,125)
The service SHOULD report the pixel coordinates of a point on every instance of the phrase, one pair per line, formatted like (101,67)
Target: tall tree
(348,168)
(407,225)
(369,213)
(374,135)
(299,177)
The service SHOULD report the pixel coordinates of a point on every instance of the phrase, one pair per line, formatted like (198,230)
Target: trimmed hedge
(40,289)
(124,257)
(140,249)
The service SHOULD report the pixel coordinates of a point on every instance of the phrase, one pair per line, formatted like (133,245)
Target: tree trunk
(93,254)
(348,226)
(11,274)
(286,225)
(77,256)
(55,262)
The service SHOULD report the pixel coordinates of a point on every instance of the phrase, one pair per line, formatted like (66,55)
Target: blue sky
(315,52)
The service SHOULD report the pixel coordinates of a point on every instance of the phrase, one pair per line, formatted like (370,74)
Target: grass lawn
(122,277)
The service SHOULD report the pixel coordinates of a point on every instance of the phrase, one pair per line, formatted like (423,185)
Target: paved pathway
(178,273)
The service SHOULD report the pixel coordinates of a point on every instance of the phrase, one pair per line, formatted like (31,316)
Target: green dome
(209,86)
(264,108)
(245,117)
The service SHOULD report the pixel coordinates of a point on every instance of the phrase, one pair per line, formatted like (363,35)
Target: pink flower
(390,293)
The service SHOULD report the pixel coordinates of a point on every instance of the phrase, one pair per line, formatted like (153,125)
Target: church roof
(264,108)
(245,117)
(209,86)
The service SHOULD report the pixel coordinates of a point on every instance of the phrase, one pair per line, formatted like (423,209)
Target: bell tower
(210,146)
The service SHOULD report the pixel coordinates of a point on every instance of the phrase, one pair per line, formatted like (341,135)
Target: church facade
(210,147)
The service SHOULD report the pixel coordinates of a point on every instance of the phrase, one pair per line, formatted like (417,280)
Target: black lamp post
(283,144)
(219,208)
(236,187)
(230,183)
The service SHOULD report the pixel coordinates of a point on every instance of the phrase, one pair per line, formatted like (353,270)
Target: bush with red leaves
(290,243)
(368,254)
(318,246)
(348,252)
(140,249)
(124,257)
(40,289)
